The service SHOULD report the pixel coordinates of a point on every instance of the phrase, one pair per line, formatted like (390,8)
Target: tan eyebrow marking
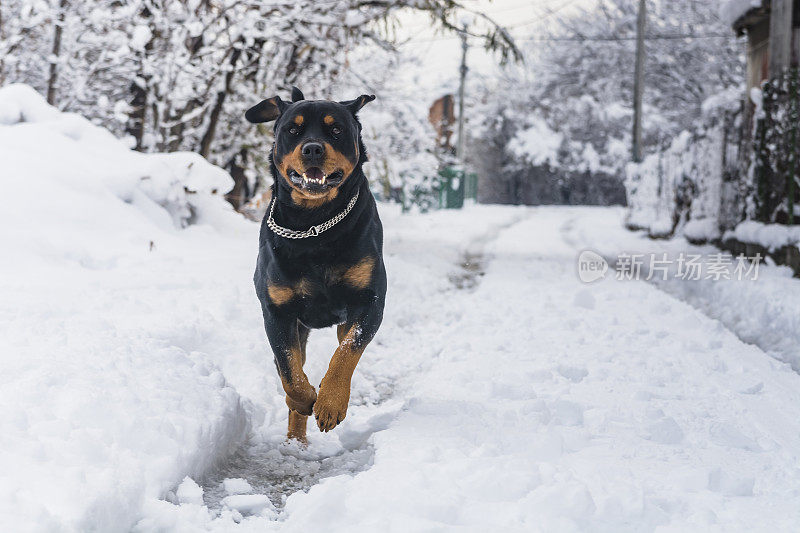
(328,119)
(299,120)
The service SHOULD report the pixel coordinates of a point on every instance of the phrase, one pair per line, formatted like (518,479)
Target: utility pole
(463,72)
(780,38)
(638,82)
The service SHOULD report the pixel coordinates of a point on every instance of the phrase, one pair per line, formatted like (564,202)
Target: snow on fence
(697,188)
(780,242)
(680,190)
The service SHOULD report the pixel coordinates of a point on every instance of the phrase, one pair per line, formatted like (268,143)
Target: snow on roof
(732,10)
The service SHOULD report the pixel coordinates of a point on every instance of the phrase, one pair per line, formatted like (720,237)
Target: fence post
(793,118)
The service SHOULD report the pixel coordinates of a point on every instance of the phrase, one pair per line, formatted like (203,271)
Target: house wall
(443,118)
(757,54)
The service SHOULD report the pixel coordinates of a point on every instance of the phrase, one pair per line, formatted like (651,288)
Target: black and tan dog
(320,260)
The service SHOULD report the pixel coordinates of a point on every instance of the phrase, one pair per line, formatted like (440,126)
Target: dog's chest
(323,300)
(321,294)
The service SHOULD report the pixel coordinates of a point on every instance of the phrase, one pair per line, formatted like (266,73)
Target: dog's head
(317,142)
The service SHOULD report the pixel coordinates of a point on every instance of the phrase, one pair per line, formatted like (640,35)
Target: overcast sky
(440,55)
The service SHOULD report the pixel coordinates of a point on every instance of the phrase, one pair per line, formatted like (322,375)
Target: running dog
(320,256)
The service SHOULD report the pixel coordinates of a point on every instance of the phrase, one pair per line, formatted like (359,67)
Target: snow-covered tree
(178,74)
(578,82)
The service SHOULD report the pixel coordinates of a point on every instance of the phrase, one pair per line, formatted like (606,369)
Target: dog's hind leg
(297,421)
(297,427)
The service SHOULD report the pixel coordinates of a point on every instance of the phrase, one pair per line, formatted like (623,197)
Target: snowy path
(515,400)
(535,403)
(500,394)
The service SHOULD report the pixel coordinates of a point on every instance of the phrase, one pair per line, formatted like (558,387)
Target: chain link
(313,231)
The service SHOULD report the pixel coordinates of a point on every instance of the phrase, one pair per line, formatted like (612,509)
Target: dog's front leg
(287,346)
(334,390)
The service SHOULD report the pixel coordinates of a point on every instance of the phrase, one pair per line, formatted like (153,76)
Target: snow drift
(105,402)
(45,142)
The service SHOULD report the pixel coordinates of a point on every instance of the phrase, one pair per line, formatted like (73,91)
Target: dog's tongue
(314,173)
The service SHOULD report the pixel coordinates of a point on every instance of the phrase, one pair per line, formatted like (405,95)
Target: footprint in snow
(573,373)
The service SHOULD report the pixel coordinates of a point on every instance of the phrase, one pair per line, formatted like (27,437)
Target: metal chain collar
(313,231)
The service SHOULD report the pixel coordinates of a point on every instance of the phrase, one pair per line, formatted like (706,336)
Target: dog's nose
(313,150)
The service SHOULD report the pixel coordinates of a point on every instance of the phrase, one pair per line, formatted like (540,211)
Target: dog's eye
(294,131)
(336,130)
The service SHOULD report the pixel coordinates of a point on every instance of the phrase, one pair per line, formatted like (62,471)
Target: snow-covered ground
(764,311)
(501,393)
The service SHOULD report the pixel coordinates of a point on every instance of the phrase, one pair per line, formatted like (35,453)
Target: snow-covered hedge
(40,144)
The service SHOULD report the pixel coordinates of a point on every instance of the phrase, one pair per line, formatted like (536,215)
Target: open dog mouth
(315,179)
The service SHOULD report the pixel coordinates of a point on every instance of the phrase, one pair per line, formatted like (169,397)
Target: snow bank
(111,386)
(770,236)
(764,312)
(731,10)
(40,140)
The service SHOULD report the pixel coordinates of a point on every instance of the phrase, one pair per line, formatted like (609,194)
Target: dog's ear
(358,103)
(266,110)
(297,94)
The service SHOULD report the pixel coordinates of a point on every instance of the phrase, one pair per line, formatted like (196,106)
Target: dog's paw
(302,399)
(331,405)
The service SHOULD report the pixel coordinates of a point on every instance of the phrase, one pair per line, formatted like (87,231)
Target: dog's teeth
(305,178)
(323,180)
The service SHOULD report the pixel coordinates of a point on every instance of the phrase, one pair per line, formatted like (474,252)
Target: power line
(599,38)
(631,38)
(548,13)
(519,6)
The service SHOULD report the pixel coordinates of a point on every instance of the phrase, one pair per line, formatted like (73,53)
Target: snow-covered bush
(536,143)
(577,86)
(178,76)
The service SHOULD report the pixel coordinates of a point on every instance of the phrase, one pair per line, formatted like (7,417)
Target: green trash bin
(451,188)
